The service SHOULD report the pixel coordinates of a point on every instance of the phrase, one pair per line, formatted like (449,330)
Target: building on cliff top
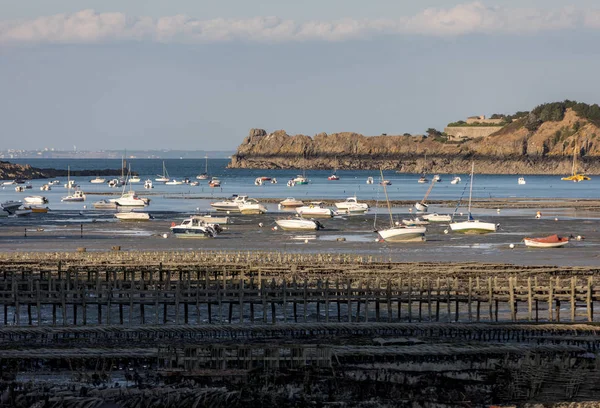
(475,126)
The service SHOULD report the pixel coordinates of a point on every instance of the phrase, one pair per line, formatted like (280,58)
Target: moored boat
(298,224)
(352,202)
(148,184)
(35,200)
(552,241)
(105,205)
(37,209)
(252,206)
(369,180)
(133,216)
(455,180)
(214,182)
(471,225)
(230,204)
(315,209)
(521,181)
(10,206)
(195,227)
(291,202)
(97,180)
(435,217)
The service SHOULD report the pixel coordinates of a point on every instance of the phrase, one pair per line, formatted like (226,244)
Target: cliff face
(511,150)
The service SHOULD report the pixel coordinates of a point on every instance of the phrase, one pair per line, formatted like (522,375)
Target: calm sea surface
(241,181)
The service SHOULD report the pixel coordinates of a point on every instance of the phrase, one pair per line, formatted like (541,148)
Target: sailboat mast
(206,165)
(387,199)
(471,187)
(68,180)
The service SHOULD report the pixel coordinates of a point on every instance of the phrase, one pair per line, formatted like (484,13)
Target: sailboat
(130,198)
(300,179)
(334,176)
(471,225)
(399,233)
(421,206)
(77,195)
(574,175)
(163,177)
(204,176)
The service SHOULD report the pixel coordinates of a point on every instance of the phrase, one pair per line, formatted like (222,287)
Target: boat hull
(473,227)
(421,207)
(553,241)
(297,225)
(191,233)
(133,216)
(403,234)
(323,213)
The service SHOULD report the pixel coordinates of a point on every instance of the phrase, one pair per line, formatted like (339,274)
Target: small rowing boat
(552,241)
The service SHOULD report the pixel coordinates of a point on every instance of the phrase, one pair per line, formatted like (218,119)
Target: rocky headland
(542,141)
(11,171)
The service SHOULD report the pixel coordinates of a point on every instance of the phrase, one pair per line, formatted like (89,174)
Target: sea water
(186,198)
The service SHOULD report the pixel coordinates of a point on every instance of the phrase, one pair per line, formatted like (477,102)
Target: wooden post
(327,300)
(388,294)
(349,293)
(590,310)
(511,299)
(573,297)
(491,299)
(469,299)
(529,300)
(448,300)
(550,301)
(409,301)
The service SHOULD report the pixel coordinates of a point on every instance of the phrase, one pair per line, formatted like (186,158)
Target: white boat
(252,206)
(77,195)
(355,209)
(352,202)
(299,224)
(163,178)
(369,180)
(40,200)
(214,182)
(195,227)
(9,183)
(422,180)
(415,221)
(258,181)
(46,187)
(133,216)
(422,205)
(402,233)
(148,184)
(435,217)
(229,205)
(290,183)
(114,183)
(521,181)
(135,179)
(204,176)
(19,189)
(71,184)
(552,241)
(385,183)
(131,199)
(455,180)
(173,182)
(10,206)
(399,233)
(98,180)
(471,225)
(315,209)
(291,202)
(437,178)
(213,219)
(105,205)
(300,180)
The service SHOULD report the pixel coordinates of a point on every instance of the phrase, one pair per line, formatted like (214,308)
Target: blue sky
(199,74)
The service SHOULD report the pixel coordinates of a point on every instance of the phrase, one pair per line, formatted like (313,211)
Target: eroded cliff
(514,149)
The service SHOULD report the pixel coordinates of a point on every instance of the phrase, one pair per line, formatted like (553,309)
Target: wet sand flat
(345,234)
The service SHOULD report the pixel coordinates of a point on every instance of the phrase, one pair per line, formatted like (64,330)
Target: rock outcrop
(512,150)
(11,171)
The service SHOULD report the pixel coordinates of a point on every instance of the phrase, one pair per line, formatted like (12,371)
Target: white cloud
(88,26)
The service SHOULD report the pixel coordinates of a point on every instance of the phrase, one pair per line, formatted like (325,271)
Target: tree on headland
(431,132)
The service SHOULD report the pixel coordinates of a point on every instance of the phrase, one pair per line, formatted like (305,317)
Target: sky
(199,74)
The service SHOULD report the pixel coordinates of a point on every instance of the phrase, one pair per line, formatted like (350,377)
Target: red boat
(552,241)
(265,178)
(333,177)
